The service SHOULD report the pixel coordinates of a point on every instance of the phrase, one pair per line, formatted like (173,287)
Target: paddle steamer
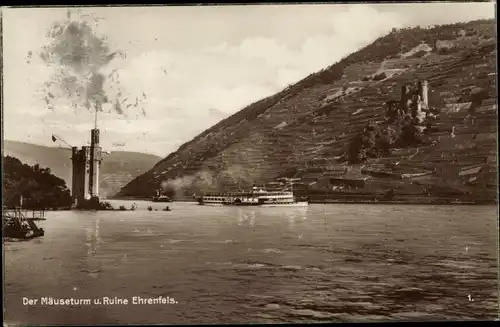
(256,197)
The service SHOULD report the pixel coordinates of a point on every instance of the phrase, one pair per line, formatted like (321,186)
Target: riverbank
(42,209)
(311,201)
(405,202)
(419,201)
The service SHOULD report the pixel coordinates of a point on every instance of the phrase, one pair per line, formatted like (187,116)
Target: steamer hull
(257,197)
(295,204)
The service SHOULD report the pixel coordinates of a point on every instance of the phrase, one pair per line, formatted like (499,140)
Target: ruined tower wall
(424,93)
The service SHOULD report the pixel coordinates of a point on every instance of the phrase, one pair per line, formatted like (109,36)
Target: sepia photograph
(250,163)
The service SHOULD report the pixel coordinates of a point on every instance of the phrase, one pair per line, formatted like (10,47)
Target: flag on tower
(53,138)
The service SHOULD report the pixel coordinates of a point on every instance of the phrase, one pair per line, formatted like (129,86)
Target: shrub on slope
(38,187)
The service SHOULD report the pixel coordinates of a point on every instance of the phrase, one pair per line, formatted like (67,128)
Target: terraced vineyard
(304,131)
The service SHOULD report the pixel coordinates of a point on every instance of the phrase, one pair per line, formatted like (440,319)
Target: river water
(338,263)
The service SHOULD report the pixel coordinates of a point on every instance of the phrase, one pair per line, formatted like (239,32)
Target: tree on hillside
(37,186)
(375,141)
(409,135)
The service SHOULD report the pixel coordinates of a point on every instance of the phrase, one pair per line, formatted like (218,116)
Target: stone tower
(95,163)
(86,164)
(81,170)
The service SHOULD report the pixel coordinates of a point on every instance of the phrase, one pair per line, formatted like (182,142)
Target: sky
(196,64)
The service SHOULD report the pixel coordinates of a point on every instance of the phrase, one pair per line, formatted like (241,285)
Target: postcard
(241,164)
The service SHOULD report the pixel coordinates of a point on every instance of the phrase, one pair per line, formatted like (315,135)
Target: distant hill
(309,129)
(118,168)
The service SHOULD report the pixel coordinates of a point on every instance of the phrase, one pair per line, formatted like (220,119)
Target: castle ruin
(413,103)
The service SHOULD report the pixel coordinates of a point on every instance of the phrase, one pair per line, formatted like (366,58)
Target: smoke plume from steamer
(205,180)
(236,174)
(79,58)
(177,183)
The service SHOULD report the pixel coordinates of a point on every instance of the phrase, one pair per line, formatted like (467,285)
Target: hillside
(37,187)
(118,168)
(308,129)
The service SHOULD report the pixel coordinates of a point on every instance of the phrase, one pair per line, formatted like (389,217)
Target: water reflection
(295,214)
(291,215)
(246,216)
(291,220)
(389,262)
(93,244)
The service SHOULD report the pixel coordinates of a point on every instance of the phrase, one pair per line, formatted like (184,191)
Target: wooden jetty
(20,223)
